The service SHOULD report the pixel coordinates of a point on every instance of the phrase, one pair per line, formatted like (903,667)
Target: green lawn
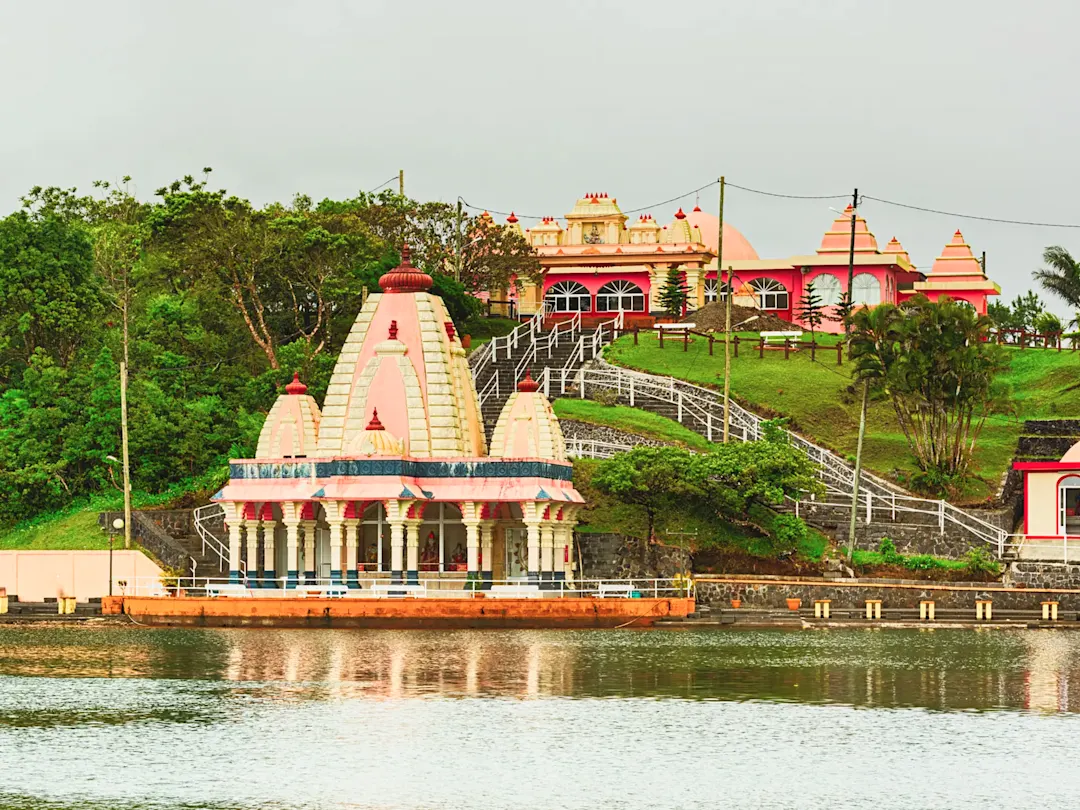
(77,531)
(631,420)
(816,398)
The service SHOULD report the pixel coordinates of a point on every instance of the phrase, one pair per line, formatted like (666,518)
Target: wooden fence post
(761,349)
(787,348)
(661,331)
(710,344)
(840,353)
(736,343)
(813,350)
(635,334)
(685,339)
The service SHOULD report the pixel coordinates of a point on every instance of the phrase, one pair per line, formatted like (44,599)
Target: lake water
(140,718)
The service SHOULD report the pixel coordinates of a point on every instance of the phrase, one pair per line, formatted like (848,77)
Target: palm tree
(1062,276)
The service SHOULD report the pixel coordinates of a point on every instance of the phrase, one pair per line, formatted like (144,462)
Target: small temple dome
(736,246)
(377,440)
(1072,454)
(527,426)
(291,429)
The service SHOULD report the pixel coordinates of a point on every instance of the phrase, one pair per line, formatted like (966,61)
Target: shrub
(888,552)
(922,562)
(789,531)
(604,396)
(979,561)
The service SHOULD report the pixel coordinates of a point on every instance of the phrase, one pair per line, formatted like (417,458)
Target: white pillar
(353,530)
(547,542)
(532,513)
(309,550)
(235,534)
(269,566)
(396,512)
(251,528)
(290,516)
(487,559)
(412,551)
(337,540)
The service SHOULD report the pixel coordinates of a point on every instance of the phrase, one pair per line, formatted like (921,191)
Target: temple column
(396,512)
(252,530)
(487,554)
(234,516)
(532,513)
(268,566)
(695,295)
(470,518)
(412,551)
(335,519)
(309,550)
(547,542)
(290,517)
(564,541)
(352,545)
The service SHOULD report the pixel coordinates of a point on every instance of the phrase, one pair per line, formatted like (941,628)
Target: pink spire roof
(895,248)
(838,238)
(957,260)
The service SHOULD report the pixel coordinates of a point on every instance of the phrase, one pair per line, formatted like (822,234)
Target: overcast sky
(962,105)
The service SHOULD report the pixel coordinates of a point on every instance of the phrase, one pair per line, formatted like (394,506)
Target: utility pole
(457,233)
(124,443)
(983,262)
(401,182)
(727,324)
(851,256)
(858,471)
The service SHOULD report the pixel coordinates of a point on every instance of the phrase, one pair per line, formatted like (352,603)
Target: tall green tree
(675,294)
(934,362)
(809,309)
(1061,276)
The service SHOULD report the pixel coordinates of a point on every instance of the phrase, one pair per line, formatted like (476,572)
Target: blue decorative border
(400,467)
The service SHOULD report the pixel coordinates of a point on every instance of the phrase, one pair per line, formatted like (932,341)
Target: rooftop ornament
(375,424)
(528,385)
(405,278)
(296,388)
(393,330)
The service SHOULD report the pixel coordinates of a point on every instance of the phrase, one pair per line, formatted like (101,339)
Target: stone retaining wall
(773,593)
(174,522)
(615,556)
(585,431)
(1052,427)
(1044,574)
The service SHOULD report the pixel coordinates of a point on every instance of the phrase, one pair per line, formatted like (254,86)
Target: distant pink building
(598,264)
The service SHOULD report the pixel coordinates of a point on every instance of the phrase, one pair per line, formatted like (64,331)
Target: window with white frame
(620,296)
(828,289)
(771,293)
(866,290)
(568,296)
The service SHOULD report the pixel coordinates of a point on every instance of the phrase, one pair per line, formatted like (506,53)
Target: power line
(388,182)
(789,196)
(971,216)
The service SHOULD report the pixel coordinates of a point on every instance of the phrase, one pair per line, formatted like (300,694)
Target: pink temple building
(393,476)
(1051,502)
(600,263)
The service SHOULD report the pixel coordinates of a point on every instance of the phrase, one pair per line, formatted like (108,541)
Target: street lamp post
(117,525)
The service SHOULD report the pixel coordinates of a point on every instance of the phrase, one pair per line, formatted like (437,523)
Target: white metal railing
(205,517)
(591,448)
(491,388)
(508,343)
(702,410)
(369,586)
(1063,548)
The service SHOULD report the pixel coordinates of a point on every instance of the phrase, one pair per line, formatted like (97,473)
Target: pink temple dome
(736,246)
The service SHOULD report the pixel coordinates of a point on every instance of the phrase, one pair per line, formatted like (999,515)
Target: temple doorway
(1069,505)
(517,553)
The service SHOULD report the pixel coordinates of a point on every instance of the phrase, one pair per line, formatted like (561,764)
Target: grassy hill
(816,396)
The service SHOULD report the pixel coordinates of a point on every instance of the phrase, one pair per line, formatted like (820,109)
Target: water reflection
(941,670)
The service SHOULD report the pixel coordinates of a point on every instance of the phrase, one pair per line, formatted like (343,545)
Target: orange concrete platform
(399,613)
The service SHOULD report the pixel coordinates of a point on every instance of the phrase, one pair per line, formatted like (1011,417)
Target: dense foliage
(213,301)
(725,480)
(934,362)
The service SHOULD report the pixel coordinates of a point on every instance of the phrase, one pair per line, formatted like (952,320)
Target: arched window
(771,293)
(620,296)
(715,291)
(1069,505)
(568,296)
(866,290)
(828,289)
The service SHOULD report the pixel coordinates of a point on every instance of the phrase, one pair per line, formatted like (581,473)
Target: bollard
(873,608)
(65,605)
(3,601)
(1050,611)
(821,608)
(926,610)
(984,610)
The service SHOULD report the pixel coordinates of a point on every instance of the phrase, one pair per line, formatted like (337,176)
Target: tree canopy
(222,299)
